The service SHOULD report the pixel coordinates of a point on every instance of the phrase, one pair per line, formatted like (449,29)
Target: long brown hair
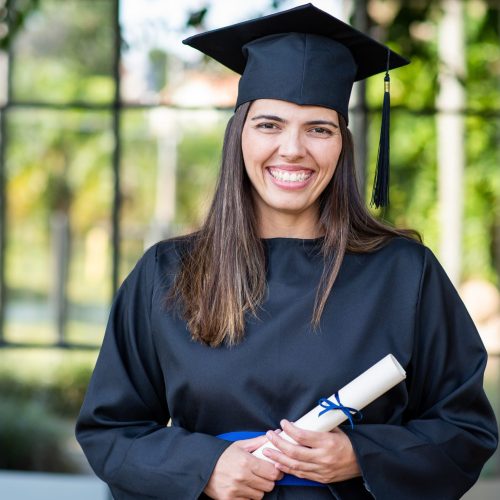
(222,277)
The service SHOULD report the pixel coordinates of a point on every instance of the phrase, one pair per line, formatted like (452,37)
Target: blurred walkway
(485,489)
(39,486)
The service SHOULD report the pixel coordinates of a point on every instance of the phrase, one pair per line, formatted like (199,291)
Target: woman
(289,290)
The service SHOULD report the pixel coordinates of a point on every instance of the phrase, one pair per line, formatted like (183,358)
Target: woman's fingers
(320,456)
(295,451)
(305,438)
(261,484)
(238,474)
(259,467)
(265,470)
(289,465)
(247,492)
(251,444)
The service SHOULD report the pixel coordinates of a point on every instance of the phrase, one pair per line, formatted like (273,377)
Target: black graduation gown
(426,438)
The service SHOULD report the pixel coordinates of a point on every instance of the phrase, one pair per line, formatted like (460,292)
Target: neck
(277,224)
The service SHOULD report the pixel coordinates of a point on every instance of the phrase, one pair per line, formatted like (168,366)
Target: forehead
(289,110)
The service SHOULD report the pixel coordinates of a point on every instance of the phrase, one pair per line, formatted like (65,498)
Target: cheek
(247,150)
(254,150)
(244,143)
(335,161)
(328,159)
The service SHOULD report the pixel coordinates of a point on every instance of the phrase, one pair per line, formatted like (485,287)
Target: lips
(290,174)
(289,177)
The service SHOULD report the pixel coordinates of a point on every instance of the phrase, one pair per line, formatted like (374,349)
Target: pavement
(44,486)
(49,486)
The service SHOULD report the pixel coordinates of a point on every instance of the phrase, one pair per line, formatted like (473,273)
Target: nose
(291,145)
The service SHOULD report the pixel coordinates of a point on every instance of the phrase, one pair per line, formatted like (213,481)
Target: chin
(289,208)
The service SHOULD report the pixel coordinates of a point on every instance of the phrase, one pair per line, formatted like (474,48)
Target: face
(290,154)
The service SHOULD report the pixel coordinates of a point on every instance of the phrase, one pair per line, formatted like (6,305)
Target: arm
(447,432)
(325,457)
(238,475)
(449,429)
(122,426)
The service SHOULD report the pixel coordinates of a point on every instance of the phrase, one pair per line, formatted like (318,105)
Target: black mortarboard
(305,56)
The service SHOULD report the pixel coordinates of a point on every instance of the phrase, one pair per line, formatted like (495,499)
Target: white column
(450,135)
(164,125)
(358,120)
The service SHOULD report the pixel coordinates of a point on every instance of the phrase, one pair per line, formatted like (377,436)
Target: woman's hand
(325,457)
(239,475)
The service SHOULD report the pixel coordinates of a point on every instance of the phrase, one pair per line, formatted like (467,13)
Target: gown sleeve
(449,429)
(122,426)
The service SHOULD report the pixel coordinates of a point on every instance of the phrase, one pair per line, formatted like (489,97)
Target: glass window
(59,192)
(65,53)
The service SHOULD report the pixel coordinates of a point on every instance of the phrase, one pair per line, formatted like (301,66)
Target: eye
(267,126)
(321,131)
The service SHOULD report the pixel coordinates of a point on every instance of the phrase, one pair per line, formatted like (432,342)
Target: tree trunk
(450,135)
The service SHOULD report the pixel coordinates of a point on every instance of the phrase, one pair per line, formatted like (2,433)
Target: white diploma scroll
(357,394)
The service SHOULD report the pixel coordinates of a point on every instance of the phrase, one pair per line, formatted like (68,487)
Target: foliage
(65,52)
(31,438)
(195,18)
(413,32)
(65,395)
(60,159)
(158,62)
(65,170)
(199,156)
(13,17)
(42,392)
(60,394)
(482,179)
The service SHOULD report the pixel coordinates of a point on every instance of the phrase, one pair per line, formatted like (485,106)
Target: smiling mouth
(288,176)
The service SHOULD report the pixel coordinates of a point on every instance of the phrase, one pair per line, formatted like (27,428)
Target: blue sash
(288,479)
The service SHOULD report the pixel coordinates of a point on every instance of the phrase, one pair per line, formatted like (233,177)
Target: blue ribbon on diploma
(288,479)
(350,413)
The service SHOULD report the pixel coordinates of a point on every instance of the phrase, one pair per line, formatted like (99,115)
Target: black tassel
(380,194)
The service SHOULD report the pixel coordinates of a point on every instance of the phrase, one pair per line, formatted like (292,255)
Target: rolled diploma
(357,394)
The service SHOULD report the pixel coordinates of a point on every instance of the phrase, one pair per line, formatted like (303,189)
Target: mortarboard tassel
(380,194)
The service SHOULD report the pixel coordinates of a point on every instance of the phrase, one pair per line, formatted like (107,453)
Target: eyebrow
(322,122)
(276,118)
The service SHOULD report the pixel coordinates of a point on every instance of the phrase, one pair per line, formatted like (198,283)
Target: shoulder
(161,260)
(398,252)
(170,253)
(399,259)
(411,253)
(167,252)
(419,263)
(399,246)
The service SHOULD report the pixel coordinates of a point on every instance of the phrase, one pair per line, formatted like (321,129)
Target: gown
(428,437)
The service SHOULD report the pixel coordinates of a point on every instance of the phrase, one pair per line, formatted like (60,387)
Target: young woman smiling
(288,291)
(290,154)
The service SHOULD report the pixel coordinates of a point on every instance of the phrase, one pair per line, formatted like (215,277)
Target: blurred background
(110,137)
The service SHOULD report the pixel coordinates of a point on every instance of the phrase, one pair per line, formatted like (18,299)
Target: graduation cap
(305,56)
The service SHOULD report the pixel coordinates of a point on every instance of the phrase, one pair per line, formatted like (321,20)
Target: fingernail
(269,435)
(283,422)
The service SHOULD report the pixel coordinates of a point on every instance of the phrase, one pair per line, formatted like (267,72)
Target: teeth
(290,177)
